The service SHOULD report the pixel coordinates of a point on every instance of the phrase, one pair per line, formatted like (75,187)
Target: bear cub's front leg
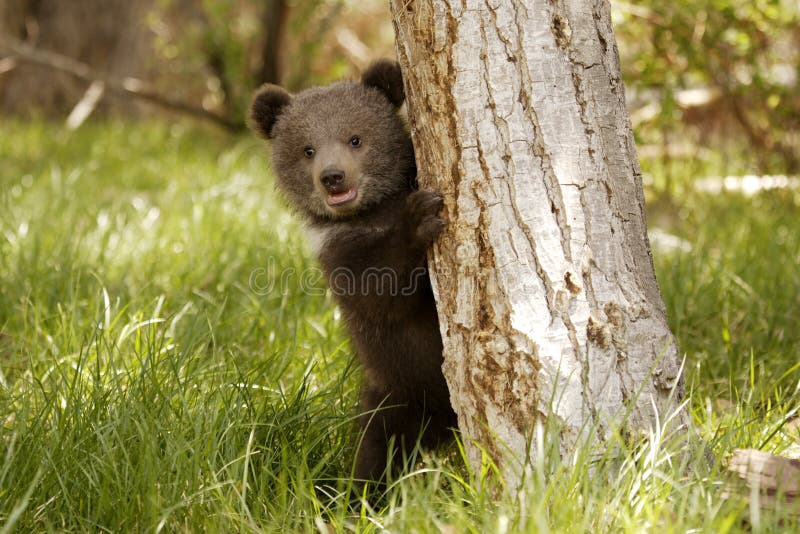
(410,401)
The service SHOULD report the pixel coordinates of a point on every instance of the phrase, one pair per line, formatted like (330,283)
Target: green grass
(145,385)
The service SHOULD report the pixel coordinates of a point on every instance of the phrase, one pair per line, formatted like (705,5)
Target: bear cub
(344,161)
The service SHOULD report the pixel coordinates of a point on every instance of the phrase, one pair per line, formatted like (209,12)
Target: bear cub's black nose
(333,180)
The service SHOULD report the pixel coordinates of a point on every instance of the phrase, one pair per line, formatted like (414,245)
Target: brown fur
(372,247)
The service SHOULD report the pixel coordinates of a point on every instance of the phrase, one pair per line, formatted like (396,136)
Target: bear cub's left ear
(268,104)
(385,75)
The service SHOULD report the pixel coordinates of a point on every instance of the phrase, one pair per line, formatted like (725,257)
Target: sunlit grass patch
(158,374)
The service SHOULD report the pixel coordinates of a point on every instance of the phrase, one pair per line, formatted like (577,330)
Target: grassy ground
(151,380)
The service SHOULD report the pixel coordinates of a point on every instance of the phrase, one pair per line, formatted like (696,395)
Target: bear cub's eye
(355,141)
(309,152)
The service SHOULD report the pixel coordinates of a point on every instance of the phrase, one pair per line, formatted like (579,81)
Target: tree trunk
(548,301)
(273,23)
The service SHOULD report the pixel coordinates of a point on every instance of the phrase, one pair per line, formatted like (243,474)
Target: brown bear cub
(344,160)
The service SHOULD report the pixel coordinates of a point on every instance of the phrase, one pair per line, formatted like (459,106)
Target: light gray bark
(547,297)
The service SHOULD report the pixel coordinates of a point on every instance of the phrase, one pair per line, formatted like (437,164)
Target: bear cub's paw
(422,216)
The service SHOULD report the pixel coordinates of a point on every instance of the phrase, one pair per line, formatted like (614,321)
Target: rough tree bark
(548,301)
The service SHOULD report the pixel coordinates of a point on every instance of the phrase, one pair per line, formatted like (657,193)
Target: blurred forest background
(150,382)
(705,79)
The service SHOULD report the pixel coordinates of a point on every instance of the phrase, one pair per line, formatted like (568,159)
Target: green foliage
(222,44)
(148,382)
(701,76)
(742,54)
(212,41)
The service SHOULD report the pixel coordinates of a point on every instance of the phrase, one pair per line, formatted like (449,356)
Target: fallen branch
(7,64)
(772,482)
(86,105)
(128,86)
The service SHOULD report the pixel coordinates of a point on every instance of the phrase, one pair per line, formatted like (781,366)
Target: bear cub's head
(341,149)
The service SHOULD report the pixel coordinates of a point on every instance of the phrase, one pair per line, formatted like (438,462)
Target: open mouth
(337,199)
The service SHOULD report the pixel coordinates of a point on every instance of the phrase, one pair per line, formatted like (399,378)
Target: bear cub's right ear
(268,104)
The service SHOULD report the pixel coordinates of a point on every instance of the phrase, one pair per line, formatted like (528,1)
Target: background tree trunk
(548,300)
(105,34)
(273,21)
